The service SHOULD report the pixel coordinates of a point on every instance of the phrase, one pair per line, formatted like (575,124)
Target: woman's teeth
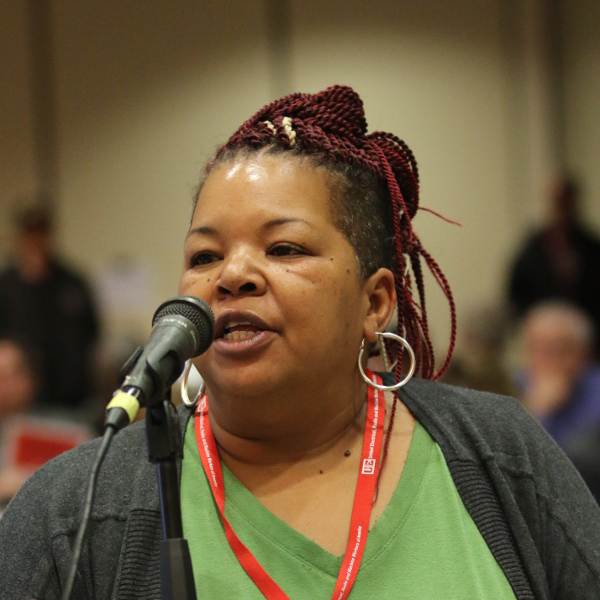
(239,334)
(239,330)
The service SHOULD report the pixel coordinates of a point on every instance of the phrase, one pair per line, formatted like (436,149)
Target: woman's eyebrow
(203,230)
(284,221)
(271,224)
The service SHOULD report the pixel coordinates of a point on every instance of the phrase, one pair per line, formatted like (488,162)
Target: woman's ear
(380,294)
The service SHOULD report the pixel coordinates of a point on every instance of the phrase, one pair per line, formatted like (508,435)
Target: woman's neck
(289,427)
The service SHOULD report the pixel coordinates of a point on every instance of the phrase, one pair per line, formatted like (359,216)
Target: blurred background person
(27,439)
(18,387)
(560,261)
(50,307)
(18,382)
(560,385)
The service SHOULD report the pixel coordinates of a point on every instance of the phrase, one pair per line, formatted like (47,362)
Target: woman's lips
(241,331)
(242,340)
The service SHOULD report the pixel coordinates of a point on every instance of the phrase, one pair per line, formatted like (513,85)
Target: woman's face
(281,279)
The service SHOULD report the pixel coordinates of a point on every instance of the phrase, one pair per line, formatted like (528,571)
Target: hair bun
(336,111)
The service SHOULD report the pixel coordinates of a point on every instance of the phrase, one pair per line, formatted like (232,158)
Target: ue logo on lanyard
(368,467)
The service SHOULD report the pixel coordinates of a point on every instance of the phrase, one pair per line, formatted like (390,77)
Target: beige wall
(442,89)
(144,97)
(146,91)
(17,168)
(582,79)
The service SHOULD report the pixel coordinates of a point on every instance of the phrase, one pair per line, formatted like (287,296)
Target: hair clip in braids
(287,125)
(271,127)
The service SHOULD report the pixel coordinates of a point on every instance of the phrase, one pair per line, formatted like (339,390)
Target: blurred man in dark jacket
(560,261)
(50,308)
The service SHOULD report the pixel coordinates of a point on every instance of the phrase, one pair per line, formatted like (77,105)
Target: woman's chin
(254,380)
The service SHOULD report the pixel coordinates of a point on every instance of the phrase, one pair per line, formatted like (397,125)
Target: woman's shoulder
(434,398)
(42,519)
(476,425)
(484,429)
(126,473)
(504,463)
(457,399)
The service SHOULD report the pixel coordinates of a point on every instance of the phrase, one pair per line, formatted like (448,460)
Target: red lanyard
(361,510)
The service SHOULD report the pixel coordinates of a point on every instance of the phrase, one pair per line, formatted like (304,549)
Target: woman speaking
(305,474)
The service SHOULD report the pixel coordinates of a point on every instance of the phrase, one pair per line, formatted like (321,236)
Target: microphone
(182,327)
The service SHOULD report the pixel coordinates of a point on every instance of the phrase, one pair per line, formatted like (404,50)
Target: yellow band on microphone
(127,402)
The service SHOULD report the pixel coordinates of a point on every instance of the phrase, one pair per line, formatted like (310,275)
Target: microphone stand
(165,446)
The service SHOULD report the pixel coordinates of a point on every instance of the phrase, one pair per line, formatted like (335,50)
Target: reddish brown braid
(332,125)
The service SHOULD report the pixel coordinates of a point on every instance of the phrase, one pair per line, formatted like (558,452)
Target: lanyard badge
(361,509)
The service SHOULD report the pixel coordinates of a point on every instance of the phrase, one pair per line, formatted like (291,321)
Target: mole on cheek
(208,280)
(348,271)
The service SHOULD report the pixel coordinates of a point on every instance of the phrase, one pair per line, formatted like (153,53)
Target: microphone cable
(105,441)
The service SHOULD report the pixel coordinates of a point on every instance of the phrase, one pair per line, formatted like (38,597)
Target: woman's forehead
(266,182)
(253,170)
(261,164)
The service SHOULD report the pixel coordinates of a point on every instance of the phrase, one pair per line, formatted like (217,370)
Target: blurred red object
(29,442)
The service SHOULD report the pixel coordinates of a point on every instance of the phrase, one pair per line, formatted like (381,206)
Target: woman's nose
(241,275)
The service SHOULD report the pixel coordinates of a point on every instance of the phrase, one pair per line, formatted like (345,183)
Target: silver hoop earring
(184,383)
(413,362)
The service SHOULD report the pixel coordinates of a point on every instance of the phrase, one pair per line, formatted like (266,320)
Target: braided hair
(374,186)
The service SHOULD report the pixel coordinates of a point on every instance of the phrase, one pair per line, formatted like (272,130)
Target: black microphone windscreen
(195,310)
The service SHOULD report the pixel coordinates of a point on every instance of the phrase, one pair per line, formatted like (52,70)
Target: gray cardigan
(532,508)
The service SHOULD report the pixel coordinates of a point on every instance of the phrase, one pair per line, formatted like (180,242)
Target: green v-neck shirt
(424,546)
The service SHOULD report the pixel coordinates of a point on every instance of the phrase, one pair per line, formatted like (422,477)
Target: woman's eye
(287,250)
(203,258)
